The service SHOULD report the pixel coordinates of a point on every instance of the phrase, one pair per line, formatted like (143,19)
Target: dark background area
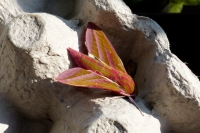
(182,29)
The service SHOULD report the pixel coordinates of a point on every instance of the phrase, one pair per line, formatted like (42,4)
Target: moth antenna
(91,55)
(133,102)
(114,97)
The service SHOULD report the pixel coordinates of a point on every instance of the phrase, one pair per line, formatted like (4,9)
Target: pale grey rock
(33,53)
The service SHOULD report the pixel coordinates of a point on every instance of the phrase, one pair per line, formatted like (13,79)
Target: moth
(102,69)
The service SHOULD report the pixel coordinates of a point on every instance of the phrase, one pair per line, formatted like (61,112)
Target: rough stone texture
(33,53)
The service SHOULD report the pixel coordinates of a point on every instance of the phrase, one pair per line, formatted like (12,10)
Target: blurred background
(180,19)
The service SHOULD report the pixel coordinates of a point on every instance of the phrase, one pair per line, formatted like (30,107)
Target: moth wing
(98,45)
(85,78)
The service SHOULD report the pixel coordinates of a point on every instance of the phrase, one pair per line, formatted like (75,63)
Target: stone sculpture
(33,42)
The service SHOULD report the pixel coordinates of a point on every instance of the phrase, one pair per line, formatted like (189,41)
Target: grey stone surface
(33,53)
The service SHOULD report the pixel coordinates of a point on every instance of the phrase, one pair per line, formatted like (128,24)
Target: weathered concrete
(33,53)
